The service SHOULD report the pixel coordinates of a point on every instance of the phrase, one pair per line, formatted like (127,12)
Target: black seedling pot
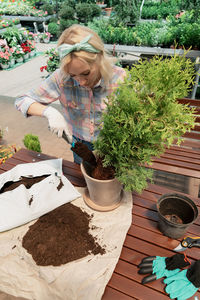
(176,212)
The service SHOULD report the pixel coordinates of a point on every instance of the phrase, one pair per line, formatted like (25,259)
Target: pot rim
(189,201)
(97,180)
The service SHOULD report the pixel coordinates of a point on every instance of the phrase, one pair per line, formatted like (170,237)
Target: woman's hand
(57,123)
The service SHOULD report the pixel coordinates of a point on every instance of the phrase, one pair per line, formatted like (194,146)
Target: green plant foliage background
(32,142)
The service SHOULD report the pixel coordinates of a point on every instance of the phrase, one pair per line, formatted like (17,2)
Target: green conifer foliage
(143,117)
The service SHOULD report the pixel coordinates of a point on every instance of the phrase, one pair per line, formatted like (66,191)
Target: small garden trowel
(65,137)
(188,242)
(82,150)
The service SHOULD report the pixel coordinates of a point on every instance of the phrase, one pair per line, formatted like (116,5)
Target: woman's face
(87,75)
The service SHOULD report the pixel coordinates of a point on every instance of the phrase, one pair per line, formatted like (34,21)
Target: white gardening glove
(57,123)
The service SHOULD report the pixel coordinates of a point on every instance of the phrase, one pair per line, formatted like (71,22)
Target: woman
(87,75)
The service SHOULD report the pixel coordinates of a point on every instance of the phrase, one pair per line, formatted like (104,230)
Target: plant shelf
(120,49)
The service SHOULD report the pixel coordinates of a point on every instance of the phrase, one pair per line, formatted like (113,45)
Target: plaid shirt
(82,107)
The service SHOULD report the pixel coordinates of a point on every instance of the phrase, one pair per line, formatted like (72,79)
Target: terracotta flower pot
(108,11)
(102,195)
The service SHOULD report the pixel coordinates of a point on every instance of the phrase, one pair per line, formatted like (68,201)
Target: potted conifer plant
(143,117)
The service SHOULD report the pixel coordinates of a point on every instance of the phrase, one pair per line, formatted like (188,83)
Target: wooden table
(143,238)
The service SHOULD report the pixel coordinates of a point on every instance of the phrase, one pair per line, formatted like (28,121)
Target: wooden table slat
(112,294)
(183,159)
(157,191)
(178,151)
(192,135)
(177,163)
(175,169)
(187,150)
(130,271)
(134,289)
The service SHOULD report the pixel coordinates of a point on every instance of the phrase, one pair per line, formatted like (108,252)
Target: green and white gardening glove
(57,123)
(160,267)
(184,284)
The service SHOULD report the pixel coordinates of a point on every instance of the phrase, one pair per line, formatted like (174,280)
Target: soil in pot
(103,173)
(61,236)
(98,171)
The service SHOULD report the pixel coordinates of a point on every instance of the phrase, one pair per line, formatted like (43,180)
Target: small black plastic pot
(176,213)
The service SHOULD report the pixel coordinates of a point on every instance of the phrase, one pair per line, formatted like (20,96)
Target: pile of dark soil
(61,236)
(27,181)
(83,151)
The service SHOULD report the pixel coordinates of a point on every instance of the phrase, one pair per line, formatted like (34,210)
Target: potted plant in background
(5,57)
(108,9)
(45,37)
(26,49)
(31,44)
(53,61)
(36,37)
(143,117)
(53,29)
(18,53)
(12,58)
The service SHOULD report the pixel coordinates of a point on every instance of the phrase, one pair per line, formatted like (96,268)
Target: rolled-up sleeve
(48,92)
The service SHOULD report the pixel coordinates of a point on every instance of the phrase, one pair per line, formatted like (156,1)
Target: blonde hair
(75,34)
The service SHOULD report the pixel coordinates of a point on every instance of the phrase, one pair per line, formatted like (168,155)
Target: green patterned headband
(65,49)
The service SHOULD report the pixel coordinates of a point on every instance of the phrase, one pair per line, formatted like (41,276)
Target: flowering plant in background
(31,44)
(7,23)
(4,58)
(31,35)
(15,21)
(43,68)
(5,55)
(6,151)
(20,8)
(53,61)
(45,35)
(4,23)
(16,8)
(24,34)
(13,34)
(18,52)
(36,37)
(38,13)
(25,47)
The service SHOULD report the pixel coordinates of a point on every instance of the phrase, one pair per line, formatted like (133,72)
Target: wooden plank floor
(143,238)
